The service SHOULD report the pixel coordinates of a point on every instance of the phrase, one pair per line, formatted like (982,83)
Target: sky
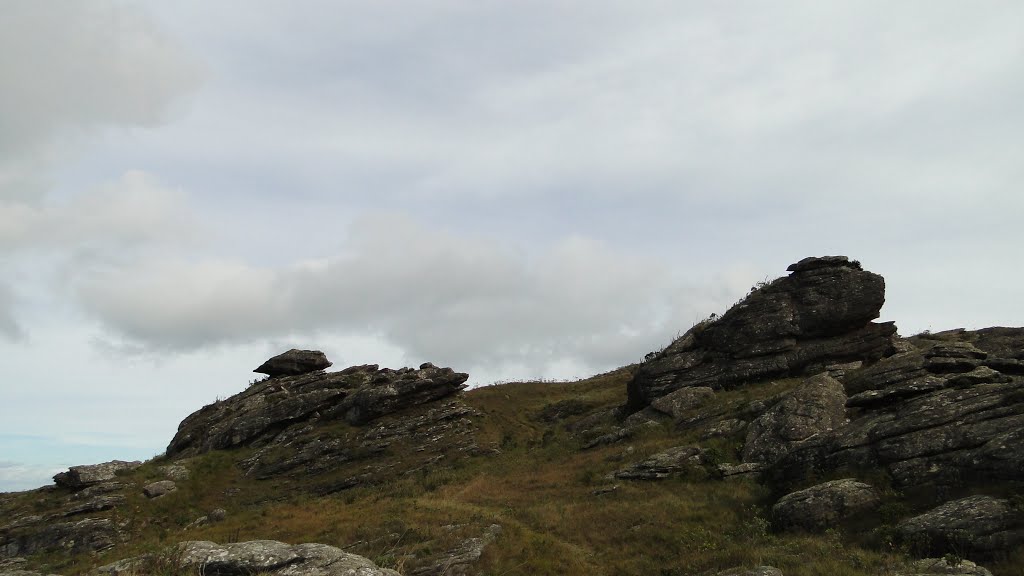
(513,189)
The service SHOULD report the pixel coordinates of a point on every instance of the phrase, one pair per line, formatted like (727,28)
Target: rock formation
(818,315)
(293,363)
(823,506)
(255,557)
(358,395)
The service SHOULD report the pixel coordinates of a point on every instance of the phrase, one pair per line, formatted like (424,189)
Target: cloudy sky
(514,189)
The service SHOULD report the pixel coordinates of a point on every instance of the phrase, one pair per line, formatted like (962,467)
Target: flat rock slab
(83,476)
(257,557)
(759,571)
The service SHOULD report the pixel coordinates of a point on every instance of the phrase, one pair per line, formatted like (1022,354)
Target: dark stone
(977,526)
(815,407)
(294,362)
(818,316)
(819,507)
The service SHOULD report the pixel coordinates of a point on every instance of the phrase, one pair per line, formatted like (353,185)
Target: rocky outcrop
(819,507)
(951,422)
(294,363)
(815,407)
(817,316)
(78,477)
(946,566)
(255,557)
(266,409)
(664,464)
(73,537)
(459,560)
(677,403)
(977,526)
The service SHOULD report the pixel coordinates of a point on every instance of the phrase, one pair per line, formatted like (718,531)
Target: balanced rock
(294,362)
(269,408)
(819,507)
(818,316)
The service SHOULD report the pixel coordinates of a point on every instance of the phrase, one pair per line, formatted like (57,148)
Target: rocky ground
(793,428)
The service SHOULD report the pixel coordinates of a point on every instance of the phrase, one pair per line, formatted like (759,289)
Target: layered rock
(938,413)
(358,395)
(820,314)
(78,477)
(816,407)
(977,525)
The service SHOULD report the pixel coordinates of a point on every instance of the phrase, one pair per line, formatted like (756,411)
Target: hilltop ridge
(790,435)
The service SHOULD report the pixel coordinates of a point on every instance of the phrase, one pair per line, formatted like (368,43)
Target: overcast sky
(514,189)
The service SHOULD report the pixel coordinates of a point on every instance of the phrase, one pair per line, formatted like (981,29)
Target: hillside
(790,435)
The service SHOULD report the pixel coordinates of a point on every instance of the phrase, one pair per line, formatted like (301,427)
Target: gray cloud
(434,294)
(68,69)
(9,326)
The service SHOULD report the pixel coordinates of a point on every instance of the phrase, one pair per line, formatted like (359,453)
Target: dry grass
(539,488)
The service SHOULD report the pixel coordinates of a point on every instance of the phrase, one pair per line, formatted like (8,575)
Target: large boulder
(976,526)
(78,477)
(815,407)
(255,557)
(293,363)
(822,506)
(819,315)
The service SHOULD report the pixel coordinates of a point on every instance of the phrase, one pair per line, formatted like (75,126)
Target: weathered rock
(818,316)
(97,504)
(87,535)
(817,406)
(823,506)
(676,403)
(98,490)
(391,391)
(256,557)
(976,526)
(744,471)
(664,464)
(727,427)
(944,566)
(174,472)
(759,571)
(459,560)
(294,363)
(157,489)
(82,476)
(268,409)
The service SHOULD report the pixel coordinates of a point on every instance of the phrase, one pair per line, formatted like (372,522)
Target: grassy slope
(538,488)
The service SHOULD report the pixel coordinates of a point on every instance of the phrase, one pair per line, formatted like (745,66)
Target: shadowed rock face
(818,315)
(358,395)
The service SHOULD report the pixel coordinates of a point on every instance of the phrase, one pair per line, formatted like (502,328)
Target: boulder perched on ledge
(358,395)
(78,477)
(821,314)
(294,362)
